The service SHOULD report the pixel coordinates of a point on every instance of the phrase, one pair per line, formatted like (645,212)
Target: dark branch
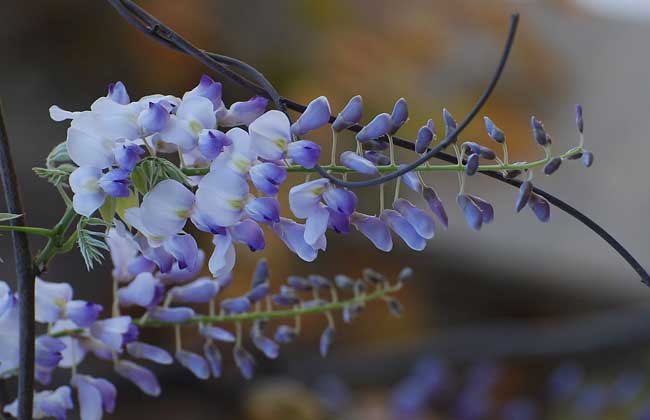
(24,278)
(156,30)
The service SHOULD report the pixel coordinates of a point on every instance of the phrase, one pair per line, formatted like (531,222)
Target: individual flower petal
(212,143)
(117,93)
(471,211)
(243,113)
(423,140)
(374,229)
(587,159)
(248,232)
(145,351)
(450,124)
(216,333)
(82,313)
(326,340)
(88,196)
(221,196)
(209,89)
(493,131)
(143,378)
(350,115)
(244,361)
(435,205)
(111,331)
(538,131)
(47,403)
(199,291)
(263,210)
(270,135)
(305,198)
(376,157)
(315,116)
(403,229)
(222,260)
(421,221)
(552,165)
(115,183)
(412,180)
(48,351)
(285,334)
(96,395)
(267,346)
(316,226)
(341,200)
(579,120)
(472,164)
(540,207)
(267,177)
(213,357)
(9,336)
(198,112)
(236,305)
(523,195)
(378,127)
(184,249)
(154,118)
(127,155)
(51,299)
(399,116)
(293,235)
(338,222)
(141,291)
(175,315)
(304,152)
(357,163)
(487,211)
(194,363)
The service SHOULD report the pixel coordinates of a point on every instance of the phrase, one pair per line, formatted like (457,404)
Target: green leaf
(56,176)
(107,210)
(90,246)
(8,216)
(58,155)
(123,203)
(139,179)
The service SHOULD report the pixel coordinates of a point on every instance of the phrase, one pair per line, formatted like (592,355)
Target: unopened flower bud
(552,165)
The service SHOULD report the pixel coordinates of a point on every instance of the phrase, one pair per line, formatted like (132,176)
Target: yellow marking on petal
(196,127)
(241,165)
(236,203)
(280,143)
(183,214)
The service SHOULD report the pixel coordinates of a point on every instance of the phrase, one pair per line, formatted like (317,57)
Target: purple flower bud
(264,344)
(538,131)
(412,180)
(552,165)
(285,334)
(350,115)
(175,315)
(82,313)
(143,378)
(373,276)
(403,229)
(236,305)
(579,120)
(430,196)
(244,361)
(421,221)
(423,140)
(341,200)
(48,351)
(326,340)
(115,183)
(286,298)
(209,89)
(261,274)
(343,282)
(472,164)
(357,163)
(111,331)
(194,363)
(378,127)
(128,155)
(184,249)
(525,190)
(450,124)
(376,157)
(351,311)
(117,93)
(486,208)
(373,228)
(484,152)
(213,357)
(587,159)
(145,351)
(201,290)
(212,142)
(259,292)
(376,145)
(319,282)
(493,131)
(217,334)
(267,177)
(315,116)
(314,303)
(399,116)
(405,275)
(299,283)
(471,211)
(263,210)
(304,152)
(395,307)
(242,113)
(540,207)
(153,119)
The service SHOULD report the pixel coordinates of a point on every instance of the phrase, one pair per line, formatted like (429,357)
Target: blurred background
(492,317)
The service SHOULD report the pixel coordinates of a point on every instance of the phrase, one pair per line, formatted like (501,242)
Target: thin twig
(24,278)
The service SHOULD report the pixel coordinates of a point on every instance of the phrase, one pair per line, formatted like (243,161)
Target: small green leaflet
(89,243)
(8,216)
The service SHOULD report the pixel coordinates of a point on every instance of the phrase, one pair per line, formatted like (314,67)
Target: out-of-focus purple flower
(176,315)
(626,387)
(373,228)
(304,152)
(47,403)
(431,197)
(519,409)
(242,113)
(212,143)
(117,93)
(213,357)
(579,121)
(590,401)
(111,331)
(285,334)
(538,131)
(350,115)
(267,177)
(315,116)
(244,362)
(96,395)
(201,290)
(564,381)
(351,160)
(405,275)
(145,351)
(127,155)
(399,116)
(326,340)
(216,333)
(343,282)
(194,363)
(413,394)
(236,305)
(261,274)
(259,292)
(403,229)
(351,311)
(264,344)
(142,377)
(82,313)
(378,127)
(299,283)
(493,131)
